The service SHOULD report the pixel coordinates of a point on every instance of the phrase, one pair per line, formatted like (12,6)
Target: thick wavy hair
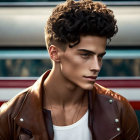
(72,19)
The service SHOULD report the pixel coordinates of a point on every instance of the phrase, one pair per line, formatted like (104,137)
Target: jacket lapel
(105,114)
(30,115)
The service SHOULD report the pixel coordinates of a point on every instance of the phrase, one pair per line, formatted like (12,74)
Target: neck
(61,92)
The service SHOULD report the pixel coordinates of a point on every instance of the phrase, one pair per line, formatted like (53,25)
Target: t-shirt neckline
(72,125)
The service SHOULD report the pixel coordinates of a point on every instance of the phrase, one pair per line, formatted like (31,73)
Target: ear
(54,53)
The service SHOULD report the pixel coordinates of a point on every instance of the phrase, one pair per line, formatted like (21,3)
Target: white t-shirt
(76,131)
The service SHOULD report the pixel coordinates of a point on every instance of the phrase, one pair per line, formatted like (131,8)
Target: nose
(96,64)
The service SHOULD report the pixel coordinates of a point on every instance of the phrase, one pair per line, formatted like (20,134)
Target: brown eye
(100,57)
(85,55)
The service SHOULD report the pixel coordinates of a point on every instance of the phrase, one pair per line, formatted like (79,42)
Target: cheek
(72,66)
(73,70)
(72,62)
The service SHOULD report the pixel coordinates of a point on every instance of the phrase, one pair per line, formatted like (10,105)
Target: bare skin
(74,72)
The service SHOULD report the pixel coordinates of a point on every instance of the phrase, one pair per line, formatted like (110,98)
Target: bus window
(120,67)
(23,68)
(35,67)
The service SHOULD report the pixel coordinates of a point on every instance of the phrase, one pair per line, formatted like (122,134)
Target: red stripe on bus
(135,104)
(16,83)
(117,83)
(113,83)
(1,102)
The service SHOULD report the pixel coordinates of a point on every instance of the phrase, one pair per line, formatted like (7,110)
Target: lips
(90,78)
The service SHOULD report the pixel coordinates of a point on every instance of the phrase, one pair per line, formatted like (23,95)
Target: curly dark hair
(72,19)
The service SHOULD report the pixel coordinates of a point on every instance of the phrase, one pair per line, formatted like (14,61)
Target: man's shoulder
(14,104)
(108,93)
(110,105)
(105,96)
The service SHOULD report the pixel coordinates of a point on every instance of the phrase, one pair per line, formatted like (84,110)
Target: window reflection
(34,68)
(121,67)
(23,68)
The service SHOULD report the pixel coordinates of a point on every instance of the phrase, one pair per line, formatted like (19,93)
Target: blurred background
(23,55)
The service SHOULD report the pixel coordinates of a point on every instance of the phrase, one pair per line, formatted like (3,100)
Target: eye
(100,57)
(85,55)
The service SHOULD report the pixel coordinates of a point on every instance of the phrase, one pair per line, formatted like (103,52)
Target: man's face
(81,64)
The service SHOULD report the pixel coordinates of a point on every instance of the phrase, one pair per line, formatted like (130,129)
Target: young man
(66,103)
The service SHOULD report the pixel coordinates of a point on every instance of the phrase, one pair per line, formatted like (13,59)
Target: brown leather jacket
(110,116)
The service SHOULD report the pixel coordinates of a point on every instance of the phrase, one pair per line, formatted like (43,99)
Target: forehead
(91,43)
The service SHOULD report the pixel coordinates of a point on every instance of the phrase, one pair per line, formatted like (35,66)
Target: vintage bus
(23,55)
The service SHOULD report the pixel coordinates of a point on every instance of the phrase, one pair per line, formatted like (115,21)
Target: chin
(88,87)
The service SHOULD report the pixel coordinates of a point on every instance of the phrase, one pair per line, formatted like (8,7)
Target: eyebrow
(91,52)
